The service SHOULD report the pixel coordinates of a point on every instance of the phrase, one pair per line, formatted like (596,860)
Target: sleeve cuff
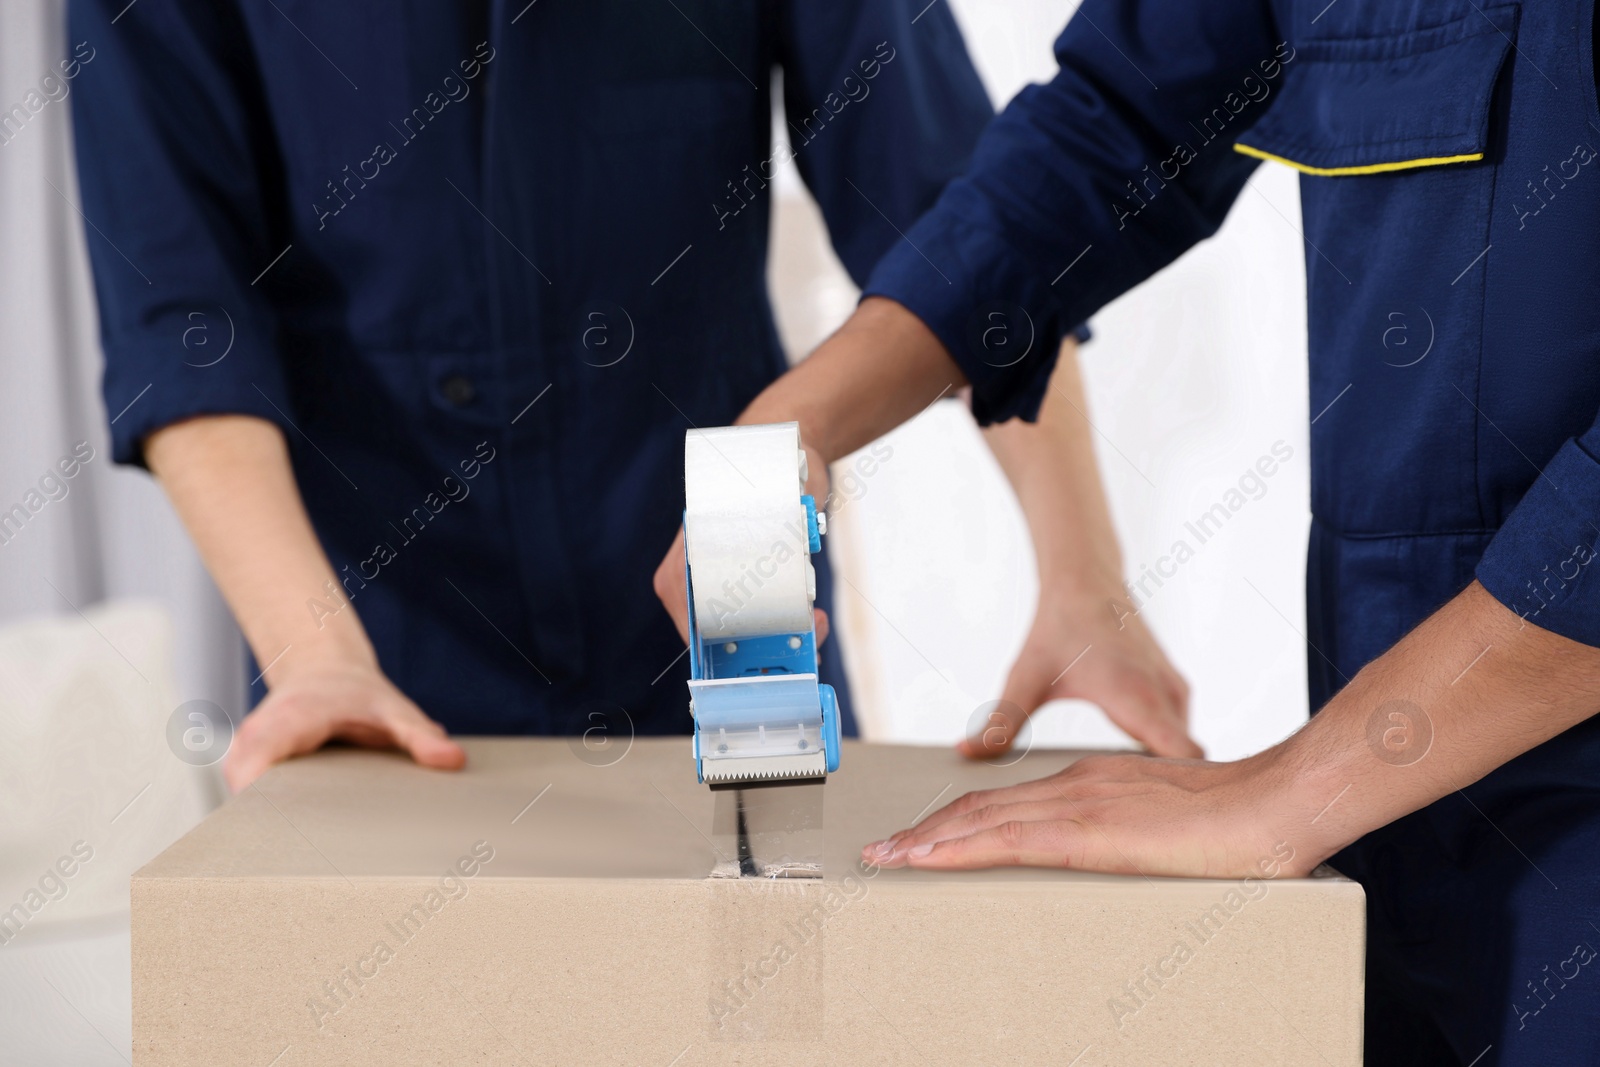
(1541,564)
(144,393)
(993,314)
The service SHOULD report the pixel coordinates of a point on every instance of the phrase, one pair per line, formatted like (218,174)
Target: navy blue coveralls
(485,263)
(1452,189)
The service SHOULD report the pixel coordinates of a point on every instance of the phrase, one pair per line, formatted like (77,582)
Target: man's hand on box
(1086,648)
(1472,686)
(331,700)
(1118,814)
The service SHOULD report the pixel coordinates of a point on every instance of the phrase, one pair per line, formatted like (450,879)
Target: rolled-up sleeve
(1082,188)
(174,148)
(1541,564)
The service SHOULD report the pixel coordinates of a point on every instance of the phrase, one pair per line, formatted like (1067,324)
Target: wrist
(1315,790)
(334,641)
(1085,594)
(881,368)
(766,410)
(1289,797)
(1079,578)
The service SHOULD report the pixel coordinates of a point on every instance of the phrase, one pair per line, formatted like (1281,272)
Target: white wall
(1191,379)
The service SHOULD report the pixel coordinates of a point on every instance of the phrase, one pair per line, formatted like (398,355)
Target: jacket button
(458,390)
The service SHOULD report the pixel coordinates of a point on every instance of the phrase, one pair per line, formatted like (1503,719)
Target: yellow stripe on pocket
(1370,168)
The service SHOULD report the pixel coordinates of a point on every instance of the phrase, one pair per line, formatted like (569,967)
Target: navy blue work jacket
(1451,203)
(1451,213)
(485,262)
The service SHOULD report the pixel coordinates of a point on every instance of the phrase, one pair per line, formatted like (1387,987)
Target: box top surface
(547,810)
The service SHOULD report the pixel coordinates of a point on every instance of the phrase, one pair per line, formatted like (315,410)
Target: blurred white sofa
(89,791)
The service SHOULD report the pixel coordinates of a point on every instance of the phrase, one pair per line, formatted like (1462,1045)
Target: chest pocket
(1369,105)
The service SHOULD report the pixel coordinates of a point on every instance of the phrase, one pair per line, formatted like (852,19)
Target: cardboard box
(552,906)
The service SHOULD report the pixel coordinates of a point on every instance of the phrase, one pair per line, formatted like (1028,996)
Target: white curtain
(112,535)
(67,545)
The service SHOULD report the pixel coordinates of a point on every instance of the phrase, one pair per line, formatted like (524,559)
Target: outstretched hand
(335,701)
(1117,814)
(1083,648)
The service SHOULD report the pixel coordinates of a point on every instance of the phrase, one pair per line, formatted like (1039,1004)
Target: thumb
(267,736)
(997,730)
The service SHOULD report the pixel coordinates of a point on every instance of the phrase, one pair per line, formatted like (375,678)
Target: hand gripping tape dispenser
(760,714)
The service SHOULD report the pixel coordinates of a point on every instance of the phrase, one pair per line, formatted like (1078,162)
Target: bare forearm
(230,479)
(1051,466)
(882,367)
(1470,689)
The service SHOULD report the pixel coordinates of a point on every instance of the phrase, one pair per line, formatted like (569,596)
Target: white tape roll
(746,531)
